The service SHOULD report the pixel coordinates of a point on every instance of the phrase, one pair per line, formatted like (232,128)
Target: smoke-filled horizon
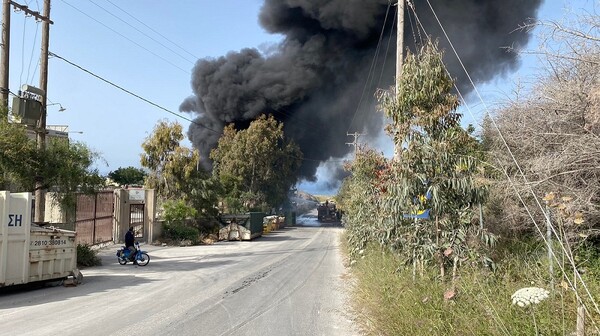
(319,80)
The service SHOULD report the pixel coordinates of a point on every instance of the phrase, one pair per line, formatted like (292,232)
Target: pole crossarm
(35,14)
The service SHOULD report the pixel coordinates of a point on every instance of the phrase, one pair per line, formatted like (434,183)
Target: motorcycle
(141,257)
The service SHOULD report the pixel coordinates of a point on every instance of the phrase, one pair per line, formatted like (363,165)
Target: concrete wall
(151,231)
(121,215)
(53,212)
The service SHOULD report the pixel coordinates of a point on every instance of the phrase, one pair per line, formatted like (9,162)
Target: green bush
(181,232)
(87,257)
(177,212)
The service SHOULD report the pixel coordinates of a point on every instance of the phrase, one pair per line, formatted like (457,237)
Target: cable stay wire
(524,177)
(127,38)
(513,185)
(23,43)
(153,30)
(387,50)
(496,317)
(131,93)
(37,30)
(372,68)
(23,51)
(143,33)
(419,27)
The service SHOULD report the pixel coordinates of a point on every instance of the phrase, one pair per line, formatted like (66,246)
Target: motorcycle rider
(130,243)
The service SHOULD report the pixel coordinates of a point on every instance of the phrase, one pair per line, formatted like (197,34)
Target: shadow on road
(46,292)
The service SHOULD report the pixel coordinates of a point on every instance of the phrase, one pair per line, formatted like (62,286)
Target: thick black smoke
(315,78)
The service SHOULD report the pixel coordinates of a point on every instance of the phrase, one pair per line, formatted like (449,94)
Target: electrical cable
(386,52)
(535,197)
(131,93)
(569,257)
(155,104)
(127,38)
(143,33)
(153,30)
(23,50)
(37,30)
(372,68)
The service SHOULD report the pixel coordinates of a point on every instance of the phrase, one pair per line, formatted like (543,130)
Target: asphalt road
(290,282)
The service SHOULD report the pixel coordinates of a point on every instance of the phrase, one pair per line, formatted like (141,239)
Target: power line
(386,53)
(31,58)
(569,257)
(155,104)
(153,30)
(23,51)
(371,73)
(131,93)
(143,33)
(127,38)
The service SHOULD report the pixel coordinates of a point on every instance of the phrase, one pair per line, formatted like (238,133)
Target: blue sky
(90,34)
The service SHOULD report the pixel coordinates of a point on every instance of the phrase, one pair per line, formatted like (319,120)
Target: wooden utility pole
(399,62)
(5,53)
(40,191)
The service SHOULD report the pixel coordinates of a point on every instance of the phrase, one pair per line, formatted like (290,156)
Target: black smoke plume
(314,81)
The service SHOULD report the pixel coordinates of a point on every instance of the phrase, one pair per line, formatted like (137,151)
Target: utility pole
(355,142)
(40,192)
(399,61)
(4,62)
(5,53)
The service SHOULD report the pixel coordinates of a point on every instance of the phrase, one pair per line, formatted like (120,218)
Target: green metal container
(290,218)
(255,223)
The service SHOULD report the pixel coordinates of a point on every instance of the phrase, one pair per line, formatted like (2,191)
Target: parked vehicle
(141,257)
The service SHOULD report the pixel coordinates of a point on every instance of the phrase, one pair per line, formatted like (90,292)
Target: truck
(328,212)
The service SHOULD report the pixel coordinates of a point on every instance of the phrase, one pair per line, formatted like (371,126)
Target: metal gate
(136,219)
(94,218)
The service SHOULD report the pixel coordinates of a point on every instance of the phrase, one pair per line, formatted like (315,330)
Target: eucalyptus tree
(256,166)
(170,165)
(174,171)
(436,172)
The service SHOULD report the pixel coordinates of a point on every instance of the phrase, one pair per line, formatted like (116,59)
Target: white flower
(529,295)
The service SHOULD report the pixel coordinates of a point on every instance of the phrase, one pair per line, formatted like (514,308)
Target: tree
(67,168)
(18,156)
(256,165)
(175,173)
(128,175)
(169,164)
(437,170)
(438,173)
(64,166)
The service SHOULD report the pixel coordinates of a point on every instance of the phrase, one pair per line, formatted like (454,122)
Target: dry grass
(388,302)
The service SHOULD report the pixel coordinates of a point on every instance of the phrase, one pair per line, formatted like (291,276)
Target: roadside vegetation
(87,257)
(442,239)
